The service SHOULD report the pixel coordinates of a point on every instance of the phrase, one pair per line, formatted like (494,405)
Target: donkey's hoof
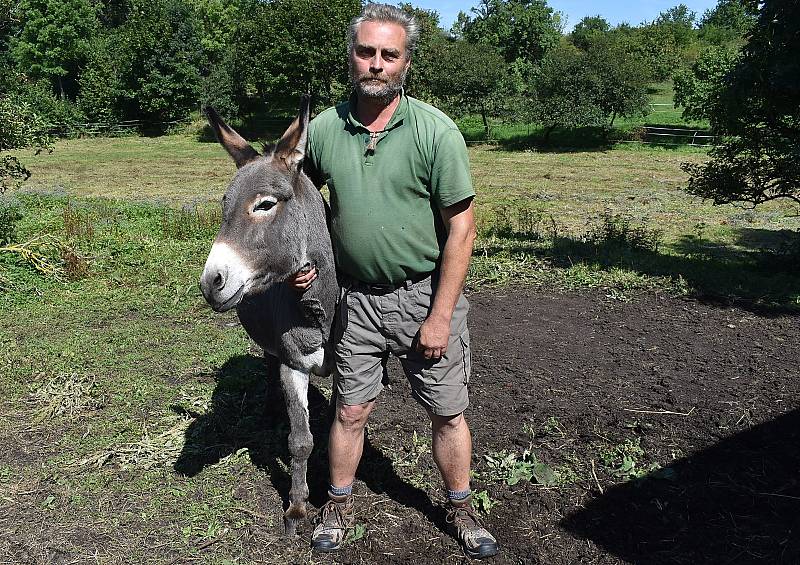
(290,525)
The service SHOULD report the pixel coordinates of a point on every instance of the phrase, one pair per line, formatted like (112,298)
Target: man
(403,229)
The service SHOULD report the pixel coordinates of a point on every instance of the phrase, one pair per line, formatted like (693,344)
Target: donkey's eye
(265,205)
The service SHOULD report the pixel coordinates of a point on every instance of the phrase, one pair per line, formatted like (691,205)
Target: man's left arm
(459,221)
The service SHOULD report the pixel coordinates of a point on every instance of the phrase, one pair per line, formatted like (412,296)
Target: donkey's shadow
(247,410)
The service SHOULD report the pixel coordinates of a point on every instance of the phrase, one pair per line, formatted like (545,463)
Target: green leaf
(544,475)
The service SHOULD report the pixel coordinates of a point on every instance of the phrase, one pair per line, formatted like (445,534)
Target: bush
(10,215)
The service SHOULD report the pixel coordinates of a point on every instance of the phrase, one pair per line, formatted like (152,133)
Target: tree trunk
(547,133)
(485,122)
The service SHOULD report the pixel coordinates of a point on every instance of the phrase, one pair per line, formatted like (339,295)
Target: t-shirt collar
(396,119)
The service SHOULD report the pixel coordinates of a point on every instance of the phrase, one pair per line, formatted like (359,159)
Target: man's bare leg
(452,450)
(346,442)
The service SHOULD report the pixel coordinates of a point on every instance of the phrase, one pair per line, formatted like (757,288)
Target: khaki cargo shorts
(371,325)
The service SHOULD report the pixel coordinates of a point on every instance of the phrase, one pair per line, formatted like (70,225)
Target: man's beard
(383,87)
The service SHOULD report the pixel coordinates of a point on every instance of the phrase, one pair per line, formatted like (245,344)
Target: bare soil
(710,393)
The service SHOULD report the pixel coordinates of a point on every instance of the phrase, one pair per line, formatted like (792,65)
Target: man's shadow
(247,410)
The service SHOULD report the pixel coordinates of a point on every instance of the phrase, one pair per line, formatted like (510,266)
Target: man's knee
(353,417)
(446,423)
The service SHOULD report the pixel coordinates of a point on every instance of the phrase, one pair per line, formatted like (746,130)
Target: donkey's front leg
(295,391)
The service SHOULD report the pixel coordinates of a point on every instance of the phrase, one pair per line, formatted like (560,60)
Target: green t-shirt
(385,202)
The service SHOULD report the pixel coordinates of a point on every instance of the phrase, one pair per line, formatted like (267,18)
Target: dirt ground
(710,393)
(672,426)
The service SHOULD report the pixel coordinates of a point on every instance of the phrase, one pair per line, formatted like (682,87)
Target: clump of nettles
(10,215)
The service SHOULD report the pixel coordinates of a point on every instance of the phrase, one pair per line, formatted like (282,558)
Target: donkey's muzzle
(225,278)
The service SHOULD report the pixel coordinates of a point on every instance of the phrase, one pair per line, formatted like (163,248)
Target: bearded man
(402,228)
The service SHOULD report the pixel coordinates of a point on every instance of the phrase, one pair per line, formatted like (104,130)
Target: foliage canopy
(757,108)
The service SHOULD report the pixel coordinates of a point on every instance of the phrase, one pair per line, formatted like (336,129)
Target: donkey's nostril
(219,281)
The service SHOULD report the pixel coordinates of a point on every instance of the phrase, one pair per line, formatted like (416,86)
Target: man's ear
(292,146)
(236,146)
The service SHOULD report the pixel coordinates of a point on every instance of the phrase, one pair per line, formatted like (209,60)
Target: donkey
(274,225)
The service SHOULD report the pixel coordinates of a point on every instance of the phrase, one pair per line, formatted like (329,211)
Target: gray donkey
(274,225)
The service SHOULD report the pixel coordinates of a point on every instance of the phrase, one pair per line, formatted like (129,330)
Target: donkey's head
(262,239)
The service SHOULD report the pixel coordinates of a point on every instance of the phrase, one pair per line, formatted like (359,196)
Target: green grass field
(106,363)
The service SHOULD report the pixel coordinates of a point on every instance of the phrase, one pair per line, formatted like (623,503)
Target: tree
(561,92)
(466,77)
(698,89)
(158,58)
(618,78)
(729,21)
(20,127)
(522,30)
(656,46)
(759,115)
(429,46)
(586,29)
(286,47)
(54,39)
(574,88)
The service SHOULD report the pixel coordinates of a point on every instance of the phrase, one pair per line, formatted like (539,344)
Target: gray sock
(458,495)
(341,491)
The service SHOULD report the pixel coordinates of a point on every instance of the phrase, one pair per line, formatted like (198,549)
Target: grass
(120,375)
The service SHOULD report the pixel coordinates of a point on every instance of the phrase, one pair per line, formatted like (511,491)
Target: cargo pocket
(466,355)
(419,302)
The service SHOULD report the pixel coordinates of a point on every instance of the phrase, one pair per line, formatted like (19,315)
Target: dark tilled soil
(710,394)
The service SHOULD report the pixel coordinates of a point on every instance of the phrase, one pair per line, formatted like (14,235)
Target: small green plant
(10,215)
(624,460)
(511,468)
(553,427)
(358,532)
(483,502)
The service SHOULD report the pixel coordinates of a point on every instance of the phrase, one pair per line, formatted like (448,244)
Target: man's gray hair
(386,13)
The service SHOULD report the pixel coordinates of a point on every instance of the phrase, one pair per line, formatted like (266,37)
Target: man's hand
(301,281)
(434,335)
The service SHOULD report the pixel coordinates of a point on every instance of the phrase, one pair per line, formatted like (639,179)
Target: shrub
(10,215)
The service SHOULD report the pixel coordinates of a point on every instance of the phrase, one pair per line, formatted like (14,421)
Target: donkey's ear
(241,151)
(292,146)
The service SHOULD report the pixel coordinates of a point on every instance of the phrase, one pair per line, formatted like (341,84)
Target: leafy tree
(656,46)
(9,25)
(618,79)
(561,92)
(729,21)
(759,113)
(424,62)
(574,88)
(466,77)
(698,89)
(20,127)
(286,47)
(158,57)
(586,29)
(522,30)
(215,24)
(100,85)
(54,39)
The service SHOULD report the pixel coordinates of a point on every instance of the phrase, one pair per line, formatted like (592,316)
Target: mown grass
(118,376)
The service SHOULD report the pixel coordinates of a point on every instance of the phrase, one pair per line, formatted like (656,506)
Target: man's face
(378,62)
